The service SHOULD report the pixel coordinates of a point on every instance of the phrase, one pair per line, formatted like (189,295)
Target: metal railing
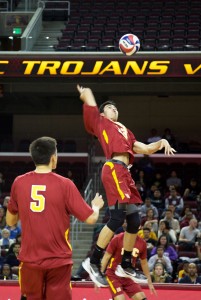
(32,31)
(76,226)
(93,186)
(55,5)
(4,6)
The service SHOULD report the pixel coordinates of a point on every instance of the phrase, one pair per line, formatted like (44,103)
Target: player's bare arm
(105,261)
(145,269)
(97,203)
(11,219)
(86,95)
(141,148)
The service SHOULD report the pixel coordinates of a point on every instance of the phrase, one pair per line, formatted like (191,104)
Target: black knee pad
(133,222)
(117,217)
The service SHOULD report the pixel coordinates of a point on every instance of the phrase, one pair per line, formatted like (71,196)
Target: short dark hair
(109,102)
(42,149)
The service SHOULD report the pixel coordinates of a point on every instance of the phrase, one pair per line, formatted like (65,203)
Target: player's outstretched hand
(80,89)
(167,148)
(86,95)
(97,201)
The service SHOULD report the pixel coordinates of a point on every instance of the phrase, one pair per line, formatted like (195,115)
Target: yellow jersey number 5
(38,203)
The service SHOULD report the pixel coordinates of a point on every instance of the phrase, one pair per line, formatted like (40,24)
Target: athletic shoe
(94,273)
(130,273)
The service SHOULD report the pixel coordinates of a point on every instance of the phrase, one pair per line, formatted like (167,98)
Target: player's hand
(152,289)
(80,89)
(167,148)
(97,201)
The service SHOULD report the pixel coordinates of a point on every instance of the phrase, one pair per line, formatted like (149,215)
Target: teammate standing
(119,145)
(110,262)
(44,201)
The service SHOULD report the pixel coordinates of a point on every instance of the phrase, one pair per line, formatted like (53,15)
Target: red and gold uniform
(35,197)
(114,138)
(117,284)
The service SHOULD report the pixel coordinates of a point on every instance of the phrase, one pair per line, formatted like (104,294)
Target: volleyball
(129,44)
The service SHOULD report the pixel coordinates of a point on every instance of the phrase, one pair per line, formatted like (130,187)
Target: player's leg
(120,297)
(126,269)
(58,284)
(133,223)
(139,296)
(93,265)
(116,287)
(31,282)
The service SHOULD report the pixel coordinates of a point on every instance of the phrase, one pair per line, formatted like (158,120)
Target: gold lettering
(134,66)
(189,69)
(52,66)
(112,67)
(158,67)
(30,66)
(95,70)
(3,62)
(77,68)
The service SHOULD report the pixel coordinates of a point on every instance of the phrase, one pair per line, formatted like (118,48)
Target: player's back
(42,201)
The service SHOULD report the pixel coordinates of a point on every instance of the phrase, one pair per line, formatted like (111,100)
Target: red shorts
(119,285)
(119,184)
(49,284)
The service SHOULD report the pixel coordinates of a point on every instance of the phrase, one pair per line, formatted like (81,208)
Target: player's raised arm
(86,95)
(141,148)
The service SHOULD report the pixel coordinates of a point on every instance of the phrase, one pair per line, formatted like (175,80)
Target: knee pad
(117,217)
(133,222)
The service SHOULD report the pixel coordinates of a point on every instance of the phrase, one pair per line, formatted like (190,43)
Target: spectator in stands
(192,190)
(152,233)
(147,205)
(6,273)
(154,136)
(164,228)
(184,270)
(2,218)
(159,274)
(192,276)
(188,235)
(141,178)
(174,180)
(151,190)
(2,183)
(151,243)
(168,249)
(185,220)
(176,200)
(168,135)
(70,175)
(12,257)
(141,190)
(162,258)
(150,218)
(174,213)
(158,201)
(5,202)
(159,181)
(173,223)
(15,230)
(146,164)
(5,241)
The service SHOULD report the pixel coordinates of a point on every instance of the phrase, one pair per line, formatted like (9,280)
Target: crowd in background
(170,223)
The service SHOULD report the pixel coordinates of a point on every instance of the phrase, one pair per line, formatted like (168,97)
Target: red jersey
(113,136)
(115,248)
(44,203)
